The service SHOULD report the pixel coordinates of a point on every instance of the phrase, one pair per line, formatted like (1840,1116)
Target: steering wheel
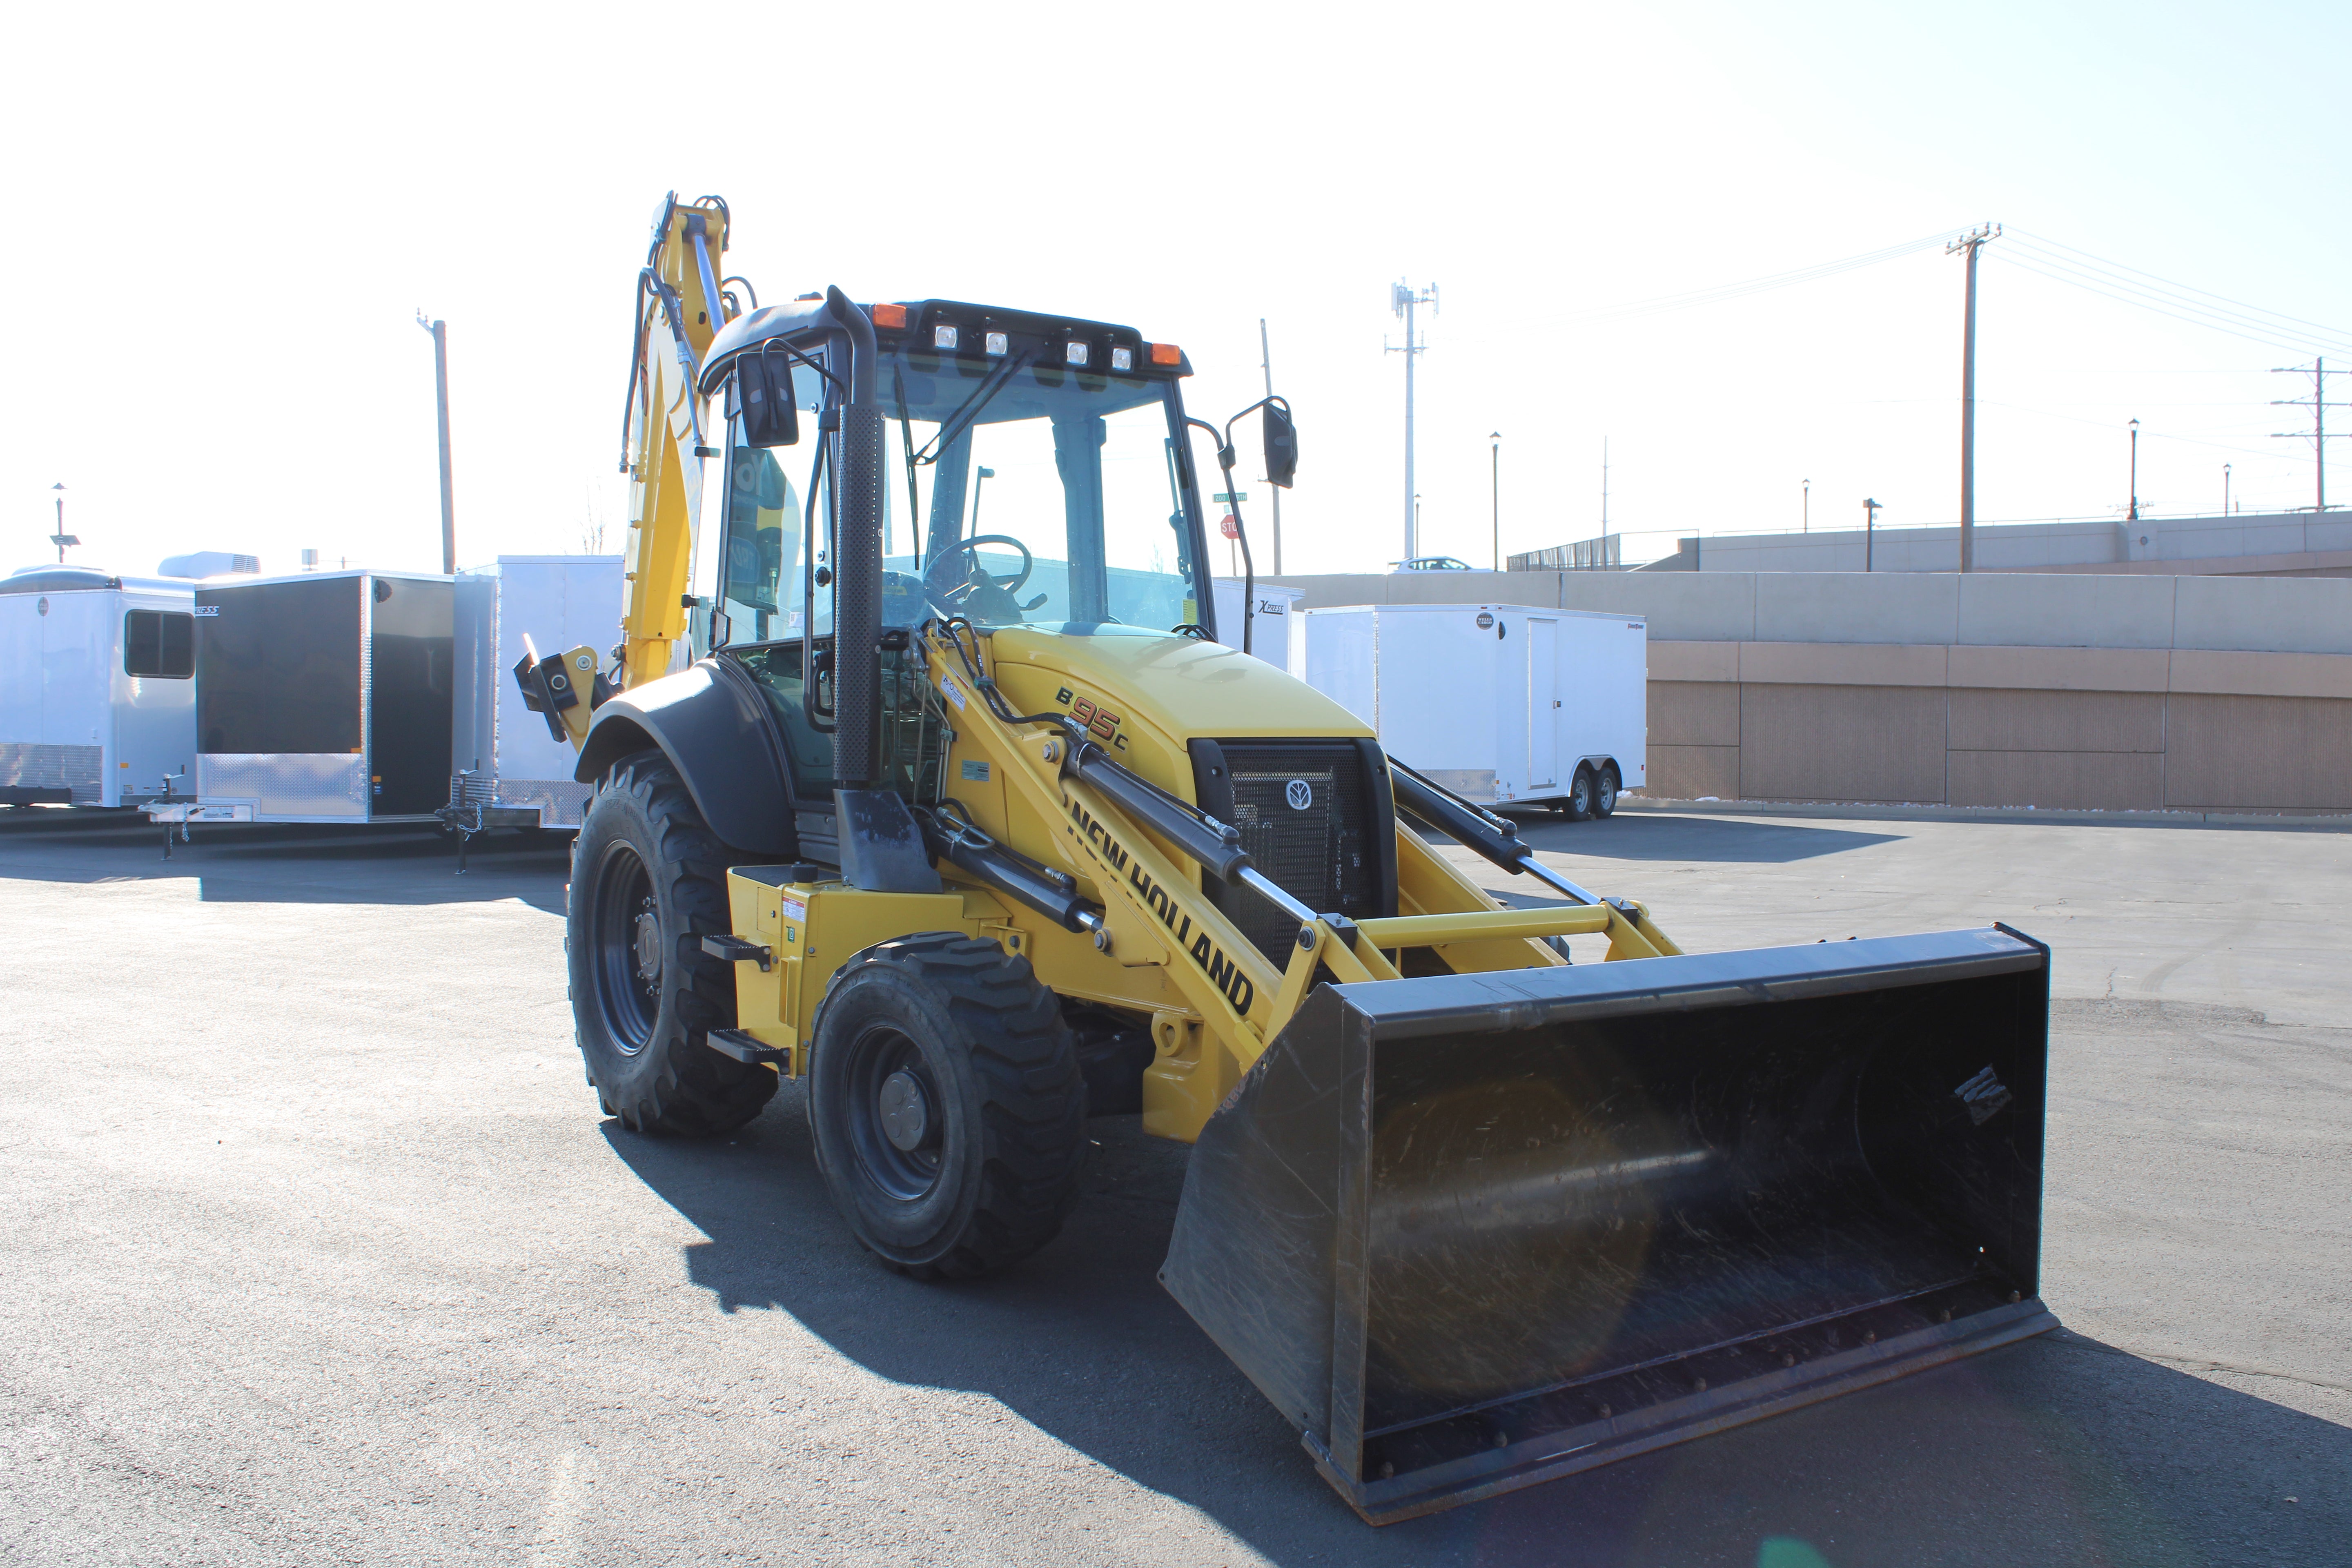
(1010,584)
(979,591)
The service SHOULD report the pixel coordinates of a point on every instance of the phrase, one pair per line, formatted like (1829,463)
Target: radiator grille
(1319,853)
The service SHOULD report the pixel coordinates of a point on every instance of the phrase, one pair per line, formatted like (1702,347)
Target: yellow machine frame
(1214,999)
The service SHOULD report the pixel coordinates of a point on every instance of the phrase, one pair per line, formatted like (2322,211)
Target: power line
(2261,327)
(1632,308)
(2257,310)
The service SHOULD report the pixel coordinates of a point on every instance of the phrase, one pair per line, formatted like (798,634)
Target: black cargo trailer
(324,696)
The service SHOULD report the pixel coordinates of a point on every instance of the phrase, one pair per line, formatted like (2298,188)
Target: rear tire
(1604,791)
(948,1104)
(649,883)
(1580,796)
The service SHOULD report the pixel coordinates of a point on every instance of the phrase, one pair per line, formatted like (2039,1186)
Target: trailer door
(1543,704)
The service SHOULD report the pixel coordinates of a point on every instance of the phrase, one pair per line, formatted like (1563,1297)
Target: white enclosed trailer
(1274,623)
(1504,704)
(98,701)
(509,762)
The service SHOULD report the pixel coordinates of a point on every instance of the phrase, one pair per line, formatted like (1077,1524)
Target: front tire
(649,883)
(948,1105)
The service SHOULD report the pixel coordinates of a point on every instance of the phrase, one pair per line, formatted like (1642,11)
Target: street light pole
(1495,485)
(1807,525)
(2225,489)
(2135,471)
(1869,535)
(441,399)
(984,476)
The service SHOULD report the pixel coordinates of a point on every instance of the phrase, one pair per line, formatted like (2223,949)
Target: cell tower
(1406,300)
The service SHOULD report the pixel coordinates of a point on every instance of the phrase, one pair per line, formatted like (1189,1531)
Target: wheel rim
(1581,794)
(1605,793)
(628,958)
(895,1120)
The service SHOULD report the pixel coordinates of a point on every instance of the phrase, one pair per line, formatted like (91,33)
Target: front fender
(710,722)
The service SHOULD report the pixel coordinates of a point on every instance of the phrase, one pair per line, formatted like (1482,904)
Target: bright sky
(222,220)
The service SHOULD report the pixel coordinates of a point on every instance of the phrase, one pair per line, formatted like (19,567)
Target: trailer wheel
(948,1103)
(1604,791)
(1579,794)
(648,882)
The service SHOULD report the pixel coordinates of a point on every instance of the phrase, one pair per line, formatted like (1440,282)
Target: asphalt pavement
(319,1251)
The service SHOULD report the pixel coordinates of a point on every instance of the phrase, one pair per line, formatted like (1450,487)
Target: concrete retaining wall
(2268,543)
(2118,693)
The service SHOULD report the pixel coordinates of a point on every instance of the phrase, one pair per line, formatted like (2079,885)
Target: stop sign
(1229,528)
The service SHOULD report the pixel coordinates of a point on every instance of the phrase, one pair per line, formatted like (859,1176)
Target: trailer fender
(715,729)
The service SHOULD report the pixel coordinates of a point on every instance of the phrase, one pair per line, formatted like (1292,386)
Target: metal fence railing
(1605,554)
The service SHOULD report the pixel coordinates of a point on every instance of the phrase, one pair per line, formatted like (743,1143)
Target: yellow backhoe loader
(966,820)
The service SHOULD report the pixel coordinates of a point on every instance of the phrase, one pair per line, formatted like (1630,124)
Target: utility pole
(1265,363)
(1495,484)
(1604,486)
(2134,515)
(2225,489)
(1405,300)
(2319,405)
(1869,535)
(61,538)
(1806,523)
(1970,243)
(441,394)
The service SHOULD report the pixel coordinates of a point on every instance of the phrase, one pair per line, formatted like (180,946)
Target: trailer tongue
(1475,1231)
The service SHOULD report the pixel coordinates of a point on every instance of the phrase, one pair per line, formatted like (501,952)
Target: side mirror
(1281,445)
(763,399)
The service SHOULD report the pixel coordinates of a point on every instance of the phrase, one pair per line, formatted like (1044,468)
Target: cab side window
(160,643)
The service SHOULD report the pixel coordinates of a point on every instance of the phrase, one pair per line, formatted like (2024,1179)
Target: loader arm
(1152,907)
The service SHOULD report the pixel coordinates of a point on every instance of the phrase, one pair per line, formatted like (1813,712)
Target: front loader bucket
(1476,1231)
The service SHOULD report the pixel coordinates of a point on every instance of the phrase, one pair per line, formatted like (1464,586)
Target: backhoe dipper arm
(679,309)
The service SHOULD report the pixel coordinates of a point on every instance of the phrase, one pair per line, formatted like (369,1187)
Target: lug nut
(1387,1470)
(1699,1383)
(1788,1358)
(1502,1439)
(1870,1336)
(1604,1413)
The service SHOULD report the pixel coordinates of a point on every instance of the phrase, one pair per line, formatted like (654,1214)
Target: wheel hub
(905,1112)
(648,945)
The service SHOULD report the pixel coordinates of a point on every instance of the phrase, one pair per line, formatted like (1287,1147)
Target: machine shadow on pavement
(1645,836)
(294,863)
(2058,1450)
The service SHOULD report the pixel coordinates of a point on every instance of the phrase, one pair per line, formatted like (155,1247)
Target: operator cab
(1036,472)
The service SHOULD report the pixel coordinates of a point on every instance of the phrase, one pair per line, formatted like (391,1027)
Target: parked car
(1436,563)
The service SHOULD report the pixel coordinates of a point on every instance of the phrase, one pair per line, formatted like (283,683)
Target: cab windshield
(1015,490)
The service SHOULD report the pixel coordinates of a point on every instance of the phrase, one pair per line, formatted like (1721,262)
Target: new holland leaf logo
(1299,793)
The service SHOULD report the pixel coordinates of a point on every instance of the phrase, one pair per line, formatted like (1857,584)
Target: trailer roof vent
(208,564)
